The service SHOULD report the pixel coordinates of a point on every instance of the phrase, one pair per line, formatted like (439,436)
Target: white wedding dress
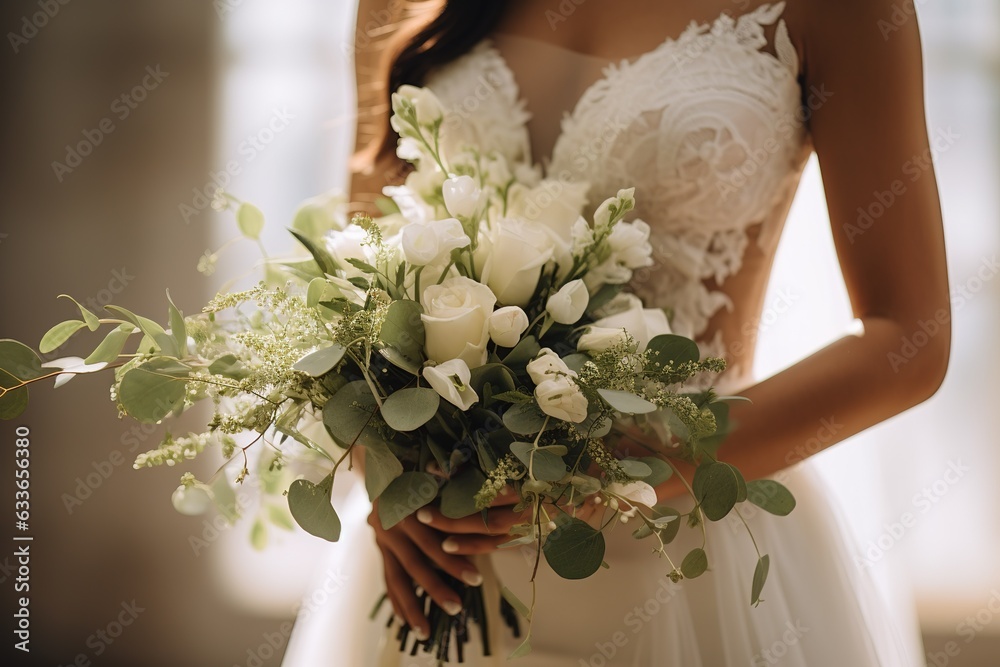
(707,127)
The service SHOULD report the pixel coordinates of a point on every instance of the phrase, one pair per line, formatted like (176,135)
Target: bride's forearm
(852,384)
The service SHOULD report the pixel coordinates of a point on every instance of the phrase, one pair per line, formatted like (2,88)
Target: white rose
(555,206)
(561,398)
(426,242)
(568,304)
(456,320)
(462,197)
(599,339)
(507,324)
(514,259)
(643,324)
(451,381)
(191,500)
(548,365)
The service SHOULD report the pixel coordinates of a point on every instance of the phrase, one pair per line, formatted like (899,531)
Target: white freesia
(630,250)
(513,259)
(191,500)
(568,304)
(456,320)
(451,381)
(426,242)
(425,104)
(643,324)
(462,197)
(548,365)
(73,366)
(411,205)
(636,492)
(507,324)
(614,208)
(560,397)
(600,339)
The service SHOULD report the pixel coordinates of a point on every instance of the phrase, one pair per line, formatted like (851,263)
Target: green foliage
(458,493)
(759,577)
(18,364)
(311,508)
(409,409)
(112,345)
(524,419)
(694,564)
(250,220)
(321,361)
(92,320)
(717,488)
(404,496)
(153,390)
(574,550)
(770,496)
(626,403)
(545,464)
(59,334)
(673,349)
(403,335)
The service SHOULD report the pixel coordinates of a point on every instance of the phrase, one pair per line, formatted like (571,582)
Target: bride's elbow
(922,357)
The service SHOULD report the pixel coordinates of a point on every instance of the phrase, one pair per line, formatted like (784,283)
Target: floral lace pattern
(707,126)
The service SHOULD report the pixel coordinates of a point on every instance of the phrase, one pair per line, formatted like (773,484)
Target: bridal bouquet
(476,336)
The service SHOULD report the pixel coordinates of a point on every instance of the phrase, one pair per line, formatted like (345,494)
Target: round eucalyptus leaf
(626,402)
(770,496)
(524,419)
(321,361)
(694,564)
(250,220)
(543,464)
(458,494)
(574,550)
(153,390)
(310,507)
(409,409)
(672,349)
(404,496)
(717,487)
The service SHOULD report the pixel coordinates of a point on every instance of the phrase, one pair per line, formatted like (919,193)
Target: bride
(710,108)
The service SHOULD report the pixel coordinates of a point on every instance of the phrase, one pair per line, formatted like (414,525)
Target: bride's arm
(873,149)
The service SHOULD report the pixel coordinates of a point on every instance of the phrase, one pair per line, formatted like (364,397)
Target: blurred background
(119,117)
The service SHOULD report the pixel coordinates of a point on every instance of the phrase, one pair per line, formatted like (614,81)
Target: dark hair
(457,28)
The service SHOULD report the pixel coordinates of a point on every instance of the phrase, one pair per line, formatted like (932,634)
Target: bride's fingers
(401,593)
(430,543)
(469,545)
(423,573)
(499,521)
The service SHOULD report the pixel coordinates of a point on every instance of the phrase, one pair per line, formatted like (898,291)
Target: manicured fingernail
(472,578)
(424,516)
(452,608)
(449,545)
(420,634)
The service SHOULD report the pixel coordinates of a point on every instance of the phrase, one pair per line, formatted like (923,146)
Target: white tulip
(456,320)
(561,398)
(507,324)
(568,304)
(451,381)
(643,324)
(462,197)
(548,365)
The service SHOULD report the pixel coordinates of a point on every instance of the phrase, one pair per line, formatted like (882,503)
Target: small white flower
(507,324)
(622,202)
(568,304)
(561,398)
(636,492)
(548,365)
(191,500)
(462,197)
(451,381)
(643,324)
(425,104)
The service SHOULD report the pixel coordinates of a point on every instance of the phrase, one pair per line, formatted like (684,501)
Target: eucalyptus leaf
(228,365)
(59,334)
(522,353)
(381,467)
(717,487)
(759,578)
(673,349)
(360,265)
(250,220)
(499,376)
(660,470)
(310,507)
(668,522)
(409,409)
(150,328)
(258,535)
(349,412)
(524,419)
(403,330)
(543,464)
(112,345)
(93,322)
(321,361)
(574,550)
(770,496)
(404,496)
(694,564)
(150,392)
(19,361)
(634,468)
(626,402)
(458,493)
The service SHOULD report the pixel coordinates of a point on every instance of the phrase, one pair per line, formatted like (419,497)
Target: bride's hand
(412,554)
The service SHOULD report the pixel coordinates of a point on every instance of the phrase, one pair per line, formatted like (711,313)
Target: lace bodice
(708,127)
